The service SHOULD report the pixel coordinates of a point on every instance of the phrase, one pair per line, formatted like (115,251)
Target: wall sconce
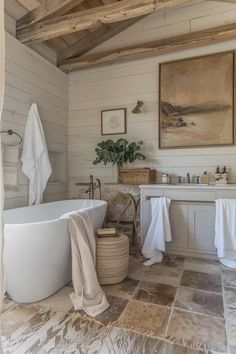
(138,108)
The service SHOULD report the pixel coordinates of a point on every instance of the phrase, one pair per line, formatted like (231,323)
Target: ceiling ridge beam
(87,19)
(45,10)
(145,50)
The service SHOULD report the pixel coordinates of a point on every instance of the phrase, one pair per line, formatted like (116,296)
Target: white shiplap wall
(30,78)
(121,85)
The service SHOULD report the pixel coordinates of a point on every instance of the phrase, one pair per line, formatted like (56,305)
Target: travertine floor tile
(145,318)
(136,270)
(156,293)
(117,305)
(230,296)
(198,329)
(159,273)
(7,304)
(200,301)
(201,265)
(124,290)
(173,261)
(202,281)
(60,301)
(229,277)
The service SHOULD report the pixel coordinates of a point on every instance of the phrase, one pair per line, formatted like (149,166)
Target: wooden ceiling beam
(232,1)
(82,20)
(159,47)
(45,10)
(93,39)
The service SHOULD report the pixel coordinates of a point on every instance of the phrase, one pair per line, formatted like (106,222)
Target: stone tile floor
(181,306)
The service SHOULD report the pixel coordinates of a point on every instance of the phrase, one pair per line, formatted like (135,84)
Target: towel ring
(11,132)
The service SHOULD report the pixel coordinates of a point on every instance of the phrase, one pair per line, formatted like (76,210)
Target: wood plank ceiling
(73,27)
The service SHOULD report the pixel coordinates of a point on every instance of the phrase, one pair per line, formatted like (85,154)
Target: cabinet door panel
(179,226)
(145,218)
(201,227)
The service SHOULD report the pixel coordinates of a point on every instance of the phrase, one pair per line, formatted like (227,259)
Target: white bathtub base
(37,256)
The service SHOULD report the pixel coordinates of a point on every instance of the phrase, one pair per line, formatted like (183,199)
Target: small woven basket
(137,176)
(112,259)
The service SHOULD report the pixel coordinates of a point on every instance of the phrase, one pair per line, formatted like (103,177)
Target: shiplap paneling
(30,78)
(121,85)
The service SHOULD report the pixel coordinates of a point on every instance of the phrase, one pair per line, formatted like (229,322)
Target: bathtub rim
(103,203)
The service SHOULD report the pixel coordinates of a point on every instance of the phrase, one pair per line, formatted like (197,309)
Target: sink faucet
(92,186)
(188,178)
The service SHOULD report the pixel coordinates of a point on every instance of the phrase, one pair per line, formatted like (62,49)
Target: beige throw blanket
(88,295)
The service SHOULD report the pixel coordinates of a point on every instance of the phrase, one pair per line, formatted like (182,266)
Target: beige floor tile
(60,301)
(229,277)
(125,290)
(198,329)
(200,301)
(156,293)
(159,273)
(145,318)
(201,265)
(202,281)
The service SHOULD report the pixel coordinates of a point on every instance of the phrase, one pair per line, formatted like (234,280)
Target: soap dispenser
(205,178)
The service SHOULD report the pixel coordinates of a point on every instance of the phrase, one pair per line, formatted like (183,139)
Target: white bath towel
(35,161)
(88,295)
(159,231)
(10,167)
(225,229)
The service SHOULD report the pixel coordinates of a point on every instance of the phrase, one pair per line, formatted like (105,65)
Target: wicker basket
(112,259)
(137,176)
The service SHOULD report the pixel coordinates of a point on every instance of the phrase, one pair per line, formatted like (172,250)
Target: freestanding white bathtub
(37,253)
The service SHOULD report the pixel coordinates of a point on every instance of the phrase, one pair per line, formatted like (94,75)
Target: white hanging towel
(225,231)
(35,161)
(88,295)
(159,231)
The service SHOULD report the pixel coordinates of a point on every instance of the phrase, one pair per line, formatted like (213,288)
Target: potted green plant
(117,153)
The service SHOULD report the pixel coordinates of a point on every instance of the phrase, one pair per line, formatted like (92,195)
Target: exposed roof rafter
(45,10)
(95,38)
(87,19)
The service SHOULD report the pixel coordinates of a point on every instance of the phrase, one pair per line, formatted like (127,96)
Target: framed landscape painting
(197,102)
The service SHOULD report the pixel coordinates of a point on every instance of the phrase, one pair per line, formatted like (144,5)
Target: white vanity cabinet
(192,215)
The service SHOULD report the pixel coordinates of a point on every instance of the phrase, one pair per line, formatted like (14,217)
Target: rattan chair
(126,206)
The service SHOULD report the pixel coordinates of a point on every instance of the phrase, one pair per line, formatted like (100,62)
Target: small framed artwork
(197,102)
(113,121)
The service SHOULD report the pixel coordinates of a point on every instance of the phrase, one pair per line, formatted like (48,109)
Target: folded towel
(35,161)
(88,295)
(225,229)
(10,166)
(159,230)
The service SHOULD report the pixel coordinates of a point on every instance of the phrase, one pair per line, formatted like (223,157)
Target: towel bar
(11,132)
(148,197)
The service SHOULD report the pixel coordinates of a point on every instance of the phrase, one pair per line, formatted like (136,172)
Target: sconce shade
(138,108)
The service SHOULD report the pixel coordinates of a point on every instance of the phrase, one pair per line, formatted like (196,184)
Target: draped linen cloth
(2,84)
(88,294)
